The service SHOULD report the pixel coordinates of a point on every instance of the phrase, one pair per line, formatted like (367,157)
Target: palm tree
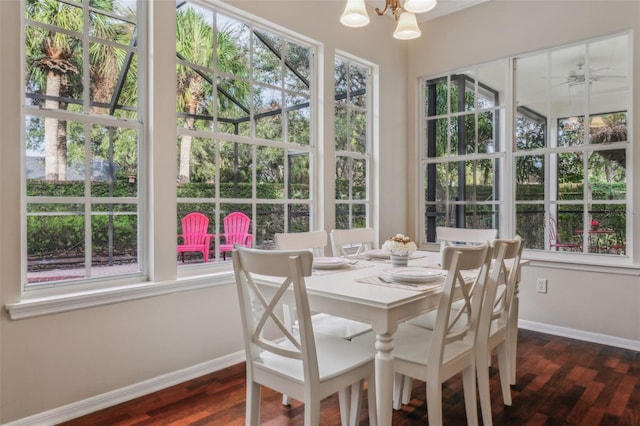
(194,41)
(194,44)
(53,60)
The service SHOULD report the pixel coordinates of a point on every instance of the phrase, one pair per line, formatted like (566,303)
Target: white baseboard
(587,336)
(109,399)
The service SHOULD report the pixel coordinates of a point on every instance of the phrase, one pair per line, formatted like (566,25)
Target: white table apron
(383,307)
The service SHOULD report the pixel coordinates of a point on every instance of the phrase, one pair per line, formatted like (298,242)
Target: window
(464,148)
(571,147)
(244,111)
(563,178)
(352,106)
(82,139)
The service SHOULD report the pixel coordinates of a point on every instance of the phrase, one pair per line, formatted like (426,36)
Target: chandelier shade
(407,28)
(355,14)
(419,6)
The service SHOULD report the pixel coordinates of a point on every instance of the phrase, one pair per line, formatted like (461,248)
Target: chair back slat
(509,275)
(465,235)
(461,325)
(316,241)
(351,242)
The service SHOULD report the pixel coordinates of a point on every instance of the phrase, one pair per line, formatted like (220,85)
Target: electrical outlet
(541,285)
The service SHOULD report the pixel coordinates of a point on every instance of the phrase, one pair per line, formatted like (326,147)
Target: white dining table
(338,292)
(341,292)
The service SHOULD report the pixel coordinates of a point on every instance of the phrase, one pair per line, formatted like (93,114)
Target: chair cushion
(412,343)
(339,327)
(335,356)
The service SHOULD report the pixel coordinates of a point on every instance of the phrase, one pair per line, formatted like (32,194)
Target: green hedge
(63,235)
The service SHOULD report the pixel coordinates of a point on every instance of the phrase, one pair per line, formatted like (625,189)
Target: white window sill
(37,306)
(615,265)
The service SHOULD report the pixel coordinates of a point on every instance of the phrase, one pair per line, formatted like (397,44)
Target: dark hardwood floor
(559,382)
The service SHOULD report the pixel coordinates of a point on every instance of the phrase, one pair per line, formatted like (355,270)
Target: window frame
(351,155)
(507,188)
(429,159)
(552,150)
(85,118)
(254,142)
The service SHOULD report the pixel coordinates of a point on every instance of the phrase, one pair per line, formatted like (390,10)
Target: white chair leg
(406,389)
(344,401)
(398,380)
(252,410)
(434,401)
(505,369)
(470,400)
(356,403)
(371,394)
(484,391)
(512,338)
(311,412)
(288,317)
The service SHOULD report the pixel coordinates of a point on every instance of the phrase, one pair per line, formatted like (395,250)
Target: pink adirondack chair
(194,235)
(236,231)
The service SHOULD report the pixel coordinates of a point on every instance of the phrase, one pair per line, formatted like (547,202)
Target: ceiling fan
(578,75)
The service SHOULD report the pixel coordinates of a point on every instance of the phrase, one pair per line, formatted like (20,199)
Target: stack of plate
(329,262)
(376,254)
(412,275)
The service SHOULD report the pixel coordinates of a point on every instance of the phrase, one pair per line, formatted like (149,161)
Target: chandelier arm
(394,5)
(382,12)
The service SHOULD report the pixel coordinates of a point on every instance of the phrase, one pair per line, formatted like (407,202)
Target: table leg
(384,378)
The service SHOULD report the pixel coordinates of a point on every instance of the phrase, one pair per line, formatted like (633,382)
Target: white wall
(592,302)
(55,360)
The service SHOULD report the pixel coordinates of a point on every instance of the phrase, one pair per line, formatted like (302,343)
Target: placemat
(377,280)
(348,267)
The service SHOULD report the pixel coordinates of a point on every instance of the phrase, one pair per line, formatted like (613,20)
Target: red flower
(595,223)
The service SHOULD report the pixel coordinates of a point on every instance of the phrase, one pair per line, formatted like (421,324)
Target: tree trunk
(185,153)
(51,169)
(61,149)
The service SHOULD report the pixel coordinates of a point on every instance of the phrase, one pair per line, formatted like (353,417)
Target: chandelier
(355,15)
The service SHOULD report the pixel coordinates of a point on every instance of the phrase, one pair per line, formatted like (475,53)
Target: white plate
(413,275)
(329,262)
(377,254)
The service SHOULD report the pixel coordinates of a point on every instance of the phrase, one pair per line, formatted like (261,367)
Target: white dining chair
(449,349)
(448,235)
(498,330)
(322,323)
(454,237)
(351,242)
(309,366)
(316,241)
